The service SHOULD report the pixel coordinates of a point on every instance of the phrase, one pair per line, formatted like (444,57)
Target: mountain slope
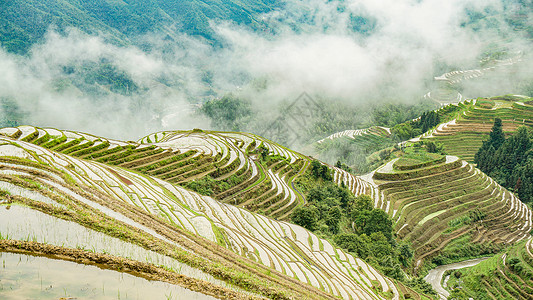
(256,174)
(447,209)
(25,22)
(505,276)
(229,243)
(236,168)
(463,135)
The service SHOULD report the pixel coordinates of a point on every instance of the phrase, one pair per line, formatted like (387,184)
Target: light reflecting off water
(30,277)
(24,223)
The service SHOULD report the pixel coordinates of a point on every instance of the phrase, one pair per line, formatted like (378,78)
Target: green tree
(229,113)
(352,243)
(511,165)
(333,219)
(497,136)
(405,253)
(374,221)
(483,158)
(306,217)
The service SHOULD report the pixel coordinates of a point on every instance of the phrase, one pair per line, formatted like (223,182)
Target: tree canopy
(509,161)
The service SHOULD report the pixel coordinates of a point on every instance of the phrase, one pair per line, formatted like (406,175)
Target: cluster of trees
(430,146)
(509,161)
(391,114)
(427,120)
(410,129)
(229,113)
(320,171)
(334,213)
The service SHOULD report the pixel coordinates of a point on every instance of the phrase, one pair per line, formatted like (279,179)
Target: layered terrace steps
(232,160)
(507,275)
(287,248)
(355,134)
(425,204)
(464,135)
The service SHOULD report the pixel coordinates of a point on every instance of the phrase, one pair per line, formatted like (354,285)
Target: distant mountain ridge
(26,22)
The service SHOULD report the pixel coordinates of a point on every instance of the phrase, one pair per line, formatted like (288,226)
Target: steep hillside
(463,135)
(353,147)
(176,229)
(25,22)
(236,168)
(251,172)
(448,209)
(505,276)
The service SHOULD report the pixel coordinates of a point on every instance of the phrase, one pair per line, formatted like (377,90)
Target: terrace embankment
(464,135)
(252,252)
(449,210)
(236,168)
(507,275)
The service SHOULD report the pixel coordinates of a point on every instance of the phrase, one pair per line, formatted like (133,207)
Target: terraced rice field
(435,205)
(464,135)
(231,160)
(505,276)
(445,95)
(121,215)
(455,77)
(367,141)
(447,90)
(364,135)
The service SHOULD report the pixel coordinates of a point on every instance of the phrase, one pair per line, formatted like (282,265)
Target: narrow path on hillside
(434,276)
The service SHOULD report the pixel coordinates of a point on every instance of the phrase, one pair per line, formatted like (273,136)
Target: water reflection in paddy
(23,223)
(29,277)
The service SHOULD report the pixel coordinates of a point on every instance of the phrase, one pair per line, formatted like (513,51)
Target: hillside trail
(434,276)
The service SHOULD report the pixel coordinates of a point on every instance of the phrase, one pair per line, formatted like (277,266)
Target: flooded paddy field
(32,277)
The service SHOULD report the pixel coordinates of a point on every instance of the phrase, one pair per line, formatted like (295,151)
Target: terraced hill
(448,209)
(505,276)
(237,168)
(447,86)
(464,135)
(439,205)
(364,136)
(147,225)
(353,147)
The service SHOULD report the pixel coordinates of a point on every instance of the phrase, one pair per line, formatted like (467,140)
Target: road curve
(434,276)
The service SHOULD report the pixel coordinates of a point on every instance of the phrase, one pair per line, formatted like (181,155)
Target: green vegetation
(394,113)
(351,222)
(472,124)
(229,113)
(407,130)
(417,159)
(509,161)
(446,209)
(505,276)
(25,22)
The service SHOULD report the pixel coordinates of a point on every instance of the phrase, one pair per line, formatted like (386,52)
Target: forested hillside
(25,22)
(509,161)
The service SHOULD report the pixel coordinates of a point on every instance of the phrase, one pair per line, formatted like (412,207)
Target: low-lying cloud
(310,46)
